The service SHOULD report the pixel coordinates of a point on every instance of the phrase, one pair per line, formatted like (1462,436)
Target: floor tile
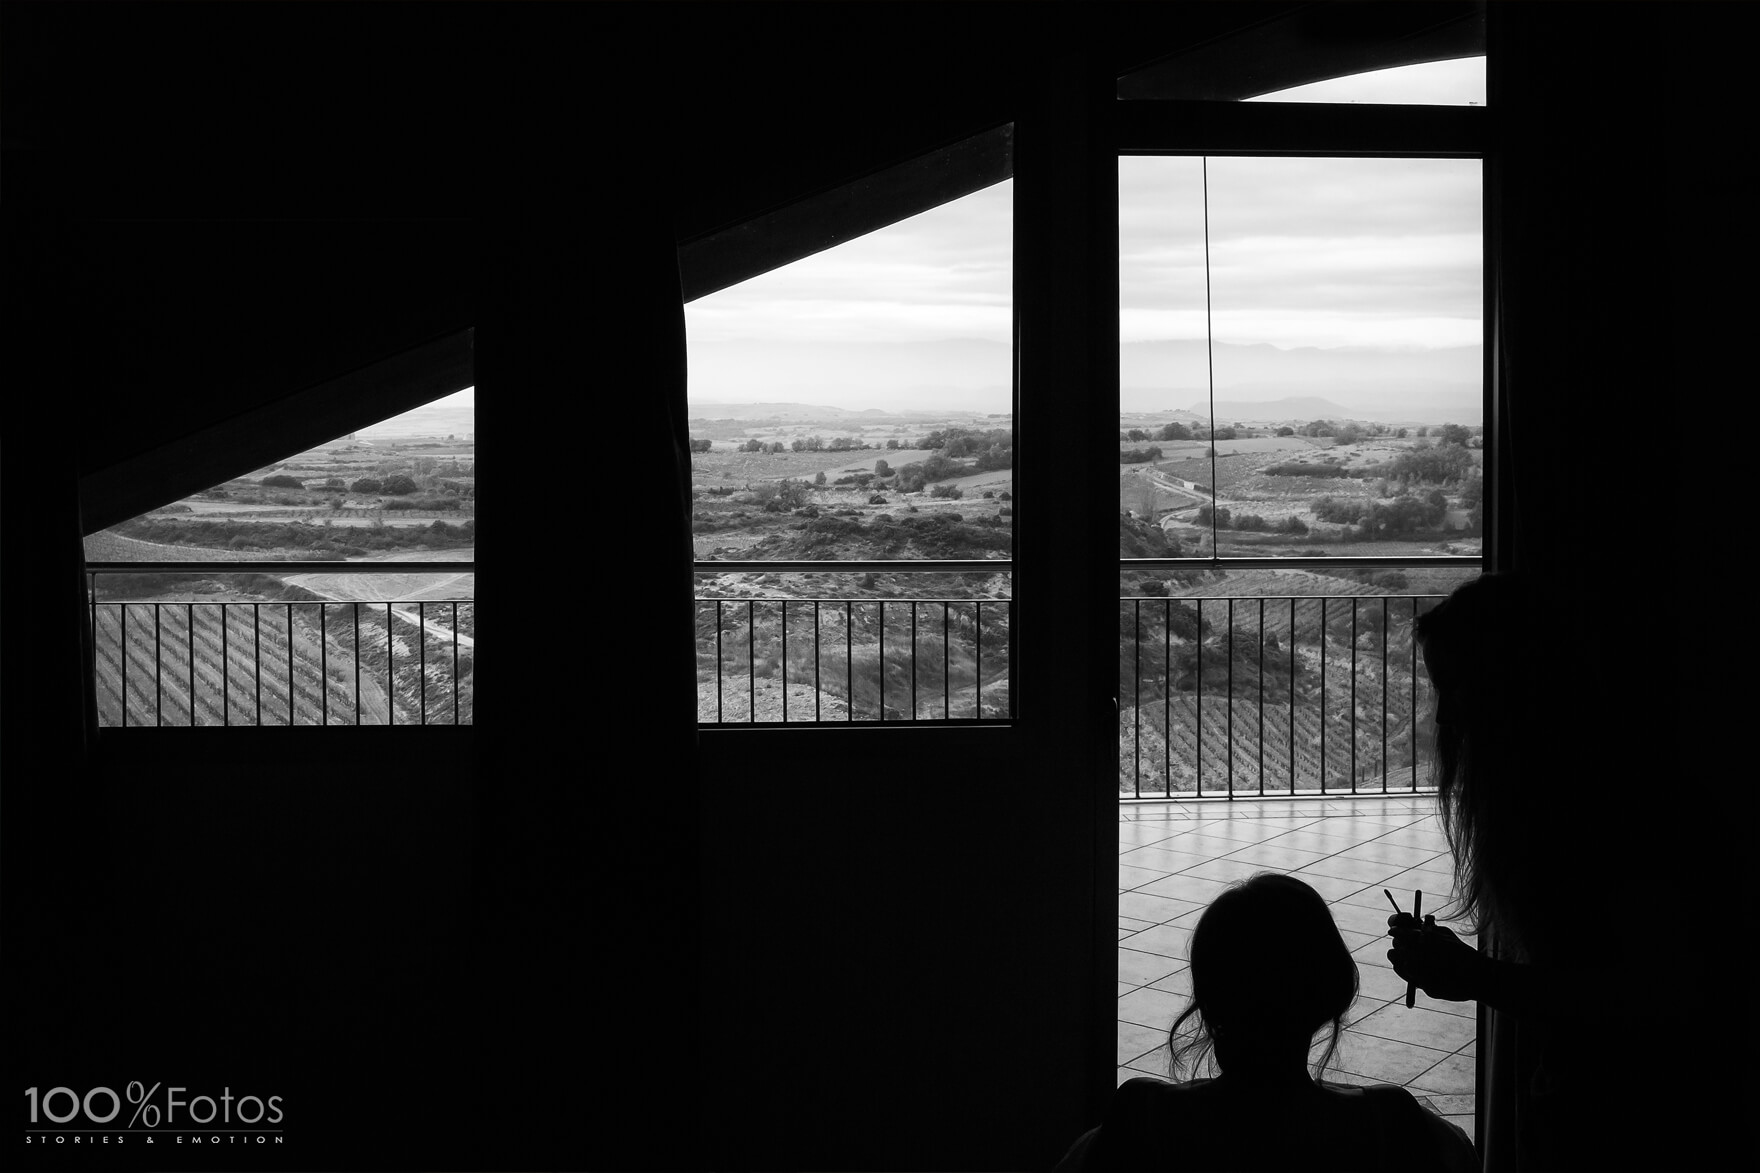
(1452,1076)
(1331,888)
(1364,871)
(1179,982)
(1153,1064)
(1151,1007)
(1381,851)
(1379,982)
(1205,846)
(1130,877)
(1134,1040)
(1386,1059)
(1141,969)
(1194,888)
(1160,859)
(1311,839)
(1132,835)
(1141,906)
(1361,918)
(1356,940)
(1164,940)
(1420,1025)
(1227,870)
(1276,856)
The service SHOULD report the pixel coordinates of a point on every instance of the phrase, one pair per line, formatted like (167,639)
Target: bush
(398,485)
(284,482)
(1005,495)
(951,492)
(1005,511)
(876,499)
(366,485)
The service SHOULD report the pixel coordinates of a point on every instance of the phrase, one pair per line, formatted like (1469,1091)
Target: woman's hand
(1442,965)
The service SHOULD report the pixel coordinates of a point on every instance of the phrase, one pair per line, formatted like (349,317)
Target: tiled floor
(1174,857)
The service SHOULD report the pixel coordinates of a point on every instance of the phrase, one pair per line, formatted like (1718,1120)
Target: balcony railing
(875,661)
(1219,696)
(299,659)
(1227,696)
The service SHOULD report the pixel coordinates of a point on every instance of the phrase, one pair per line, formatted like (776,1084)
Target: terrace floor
(1175,857)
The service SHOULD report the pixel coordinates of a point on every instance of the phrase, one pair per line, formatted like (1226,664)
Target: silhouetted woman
(1540,730)
(1269,973)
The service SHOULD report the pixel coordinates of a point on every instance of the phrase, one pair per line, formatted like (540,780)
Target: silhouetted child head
(1269,970)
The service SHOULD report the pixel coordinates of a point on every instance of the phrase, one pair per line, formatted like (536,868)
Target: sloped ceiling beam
(274,431)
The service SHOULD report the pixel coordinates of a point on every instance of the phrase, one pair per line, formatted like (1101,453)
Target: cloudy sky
(454,414)
(1363,258)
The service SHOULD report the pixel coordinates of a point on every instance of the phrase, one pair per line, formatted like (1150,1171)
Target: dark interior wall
(448,170)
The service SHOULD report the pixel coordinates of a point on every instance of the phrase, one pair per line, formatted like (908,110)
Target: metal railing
(1277,694)
(840,661)
(322,661)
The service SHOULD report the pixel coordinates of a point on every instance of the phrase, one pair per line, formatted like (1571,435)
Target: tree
(1456,434)
(892,445)
(282,482)
(1286,430)
(372,485)
(1174,431)
(820,479)
(882,469)
(1136,435)
(398,486)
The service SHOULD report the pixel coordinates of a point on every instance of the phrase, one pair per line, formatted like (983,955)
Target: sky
(1376,261)
(454,414)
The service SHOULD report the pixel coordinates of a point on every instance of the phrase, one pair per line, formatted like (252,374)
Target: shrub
(398,485)
(876,499)
(366,485)
(988,493)
(1005,495)
(284,482)
(1005,511)
(807,511)
(951,492)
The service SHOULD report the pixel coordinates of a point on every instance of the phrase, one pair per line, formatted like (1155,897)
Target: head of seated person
(1270,971)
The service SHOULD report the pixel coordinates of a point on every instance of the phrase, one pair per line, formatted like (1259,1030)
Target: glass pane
(1343,339)
(857,405)
(334,646)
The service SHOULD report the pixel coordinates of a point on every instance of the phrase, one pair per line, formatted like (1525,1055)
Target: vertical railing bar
(1261,697)
(816,714)
(390,672)
(1292,697)
(225,673)
(1384,608)
(1412,724)
(422,660)
(1228,707)
(357,665)
(752,661)
(883,659)
(1198,724)
(122,654)
(1137,699)
(455,658)
(1008,649)
(913,659)
(946,664)
(158,673)
(978,659)
(718,714)
(785,661)
(290,686)
(324,661)
(849,659)
(1322,694)
(190,619)
(1166,695)
(1354,601)
(257,655)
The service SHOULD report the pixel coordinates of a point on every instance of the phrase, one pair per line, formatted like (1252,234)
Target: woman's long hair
(1269,969)
(1512,694)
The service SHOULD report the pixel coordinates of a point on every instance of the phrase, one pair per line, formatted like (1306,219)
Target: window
(331,586)
(852,434)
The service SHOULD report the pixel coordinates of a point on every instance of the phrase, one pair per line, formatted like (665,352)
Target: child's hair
(1268,966)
